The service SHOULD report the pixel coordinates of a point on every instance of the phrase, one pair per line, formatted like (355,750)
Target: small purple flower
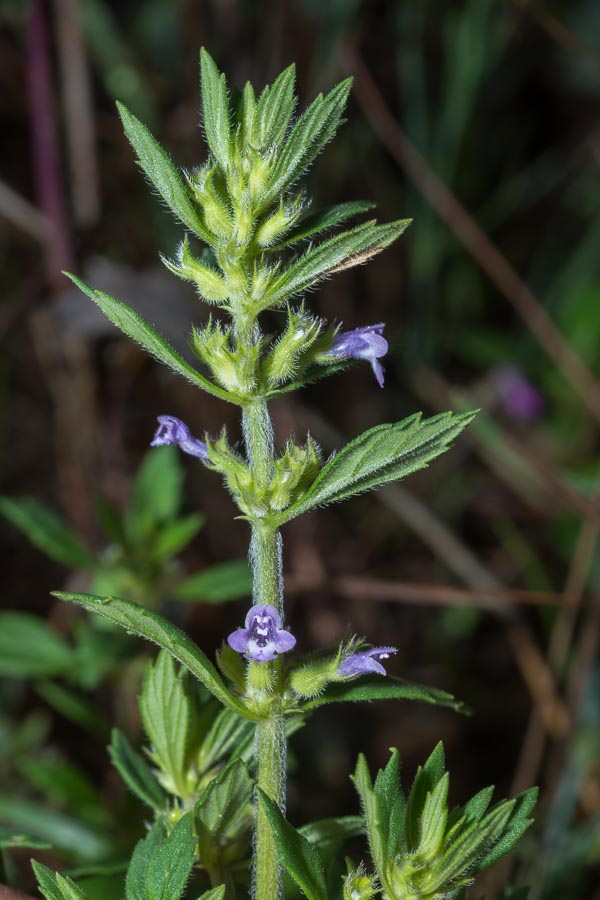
(365,662)
(173,431)
(263,637)
(362,343)
(518,396)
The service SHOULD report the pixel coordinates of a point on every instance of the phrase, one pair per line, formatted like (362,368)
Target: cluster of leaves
(420,849)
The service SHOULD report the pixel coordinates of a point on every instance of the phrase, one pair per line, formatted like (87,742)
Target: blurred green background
(478,119)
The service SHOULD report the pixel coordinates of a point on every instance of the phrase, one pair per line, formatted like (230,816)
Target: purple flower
(173,431)
(365,662)
(362,343)
(263,637)
(518,396)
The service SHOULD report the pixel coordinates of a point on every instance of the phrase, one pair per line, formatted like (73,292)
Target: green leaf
(224,801)
(426,779)
(218,584)
(64,832)
(382,454)
(137,620)
(468,846)
(373,815)
(167,714)
(156,494)
(162,173)
(14,840)
(341,251)
(312,131)
(135,327)
(29,648)
(173,537)
(392,802)
(216,893)
(73,706)
(170,865)
(274,110)
(55,886)
(215,109)
(374,687)
(434,818)
(134,771)
(135,882)
(518,824)
(229,735)
(322,220)
(327,835)
(48,532)
(298,856)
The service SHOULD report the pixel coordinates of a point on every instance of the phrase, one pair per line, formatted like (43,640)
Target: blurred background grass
(478,119)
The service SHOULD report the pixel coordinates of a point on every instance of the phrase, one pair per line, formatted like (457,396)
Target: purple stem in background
(45,145)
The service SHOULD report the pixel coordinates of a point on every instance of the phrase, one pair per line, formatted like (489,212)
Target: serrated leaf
(426,779)
(517,826)
(229,735)
(167,714)
(218,584)
(274,110)
(319,261)
(467,848)
(393,803)
(31,649)
(373,815)
(322,220)
(298,856)
(137,873)
(434,818)
(156,494)
(223,802)
(137,620)
(377,688)
(216,893)
(311,132)
(135,327)
(157,166)
(215,109)
(382,454)
(48,532)
(54,886)
(135,772)
(170,865)
(473,810)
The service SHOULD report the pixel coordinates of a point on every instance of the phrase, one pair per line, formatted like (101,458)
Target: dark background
(478,120)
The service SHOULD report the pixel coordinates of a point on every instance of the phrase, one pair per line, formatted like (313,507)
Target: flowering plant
(215,777)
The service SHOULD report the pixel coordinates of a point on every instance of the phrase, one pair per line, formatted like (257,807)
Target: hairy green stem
(266,562)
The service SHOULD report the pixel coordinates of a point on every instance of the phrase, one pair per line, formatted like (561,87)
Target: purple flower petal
(263,638)
(365,662)
(172,431)
(362,343)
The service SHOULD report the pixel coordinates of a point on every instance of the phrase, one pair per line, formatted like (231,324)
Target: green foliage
(298,856)
(10,840)
(158,630)
(135,772)
(162,862)
(382,454)
(47,531)
(54,886)
(376,688)
(421,849)
(31,649)
(219,584)
(223,816)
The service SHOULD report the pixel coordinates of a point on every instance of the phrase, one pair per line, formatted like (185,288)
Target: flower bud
(210,284)
(300,334)
(360,886)
(217,214)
